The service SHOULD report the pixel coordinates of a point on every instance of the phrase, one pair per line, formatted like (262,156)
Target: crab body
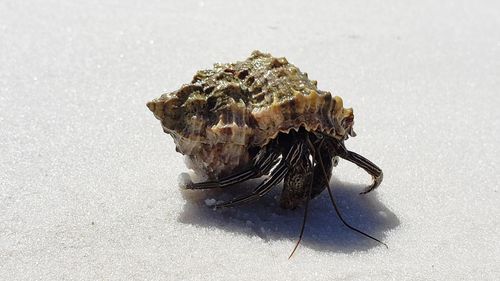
(241,120)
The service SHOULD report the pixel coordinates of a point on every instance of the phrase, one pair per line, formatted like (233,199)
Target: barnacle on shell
(225,113)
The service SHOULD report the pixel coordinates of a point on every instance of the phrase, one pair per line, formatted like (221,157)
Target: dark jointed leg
(277,175)
(322,178)
(334,203)
(264,161)
(364,163)
(296,183)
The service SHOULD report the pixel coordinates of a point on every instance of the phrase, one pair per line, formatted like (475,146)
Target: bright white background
(88,180)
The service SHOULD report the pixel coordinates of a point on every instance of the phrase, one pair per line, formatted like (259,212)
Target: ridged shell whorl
(226,110)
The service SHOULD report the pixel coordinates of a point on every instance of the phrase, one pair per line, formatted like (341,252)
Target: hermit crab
(261,117)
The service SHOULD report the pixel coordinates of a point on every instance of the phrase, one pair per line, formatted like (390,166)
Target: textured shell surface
(229,111)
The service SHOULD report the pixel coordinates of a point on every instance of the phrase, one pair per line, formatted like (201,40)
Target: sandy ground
(89,182)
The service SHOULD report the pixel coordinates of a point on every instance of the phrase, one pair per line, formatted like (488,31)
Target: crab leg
(277,175)
(265,161)
(336,208)
(364,163)
(320,178)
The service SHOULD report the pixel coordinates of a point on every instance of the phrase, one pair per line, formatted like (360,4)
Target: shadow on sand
(323,232)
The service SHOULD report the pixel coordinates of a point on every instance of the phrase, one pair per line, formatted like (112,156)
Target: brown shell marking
(227,110)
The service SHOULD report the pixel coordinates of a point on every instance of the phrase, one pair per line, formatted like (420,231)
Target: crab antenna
(337,210)
(307,202)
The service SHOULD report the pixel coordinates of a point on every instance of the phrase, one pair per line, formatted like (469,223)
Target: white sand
(88,181)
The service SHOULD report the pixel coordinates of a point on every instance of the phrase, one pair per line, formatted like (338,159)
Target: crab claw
(363,163)
(377,180)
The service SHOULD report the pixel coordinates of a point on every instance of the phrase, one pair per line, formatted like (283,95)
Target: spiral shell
(226,112)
